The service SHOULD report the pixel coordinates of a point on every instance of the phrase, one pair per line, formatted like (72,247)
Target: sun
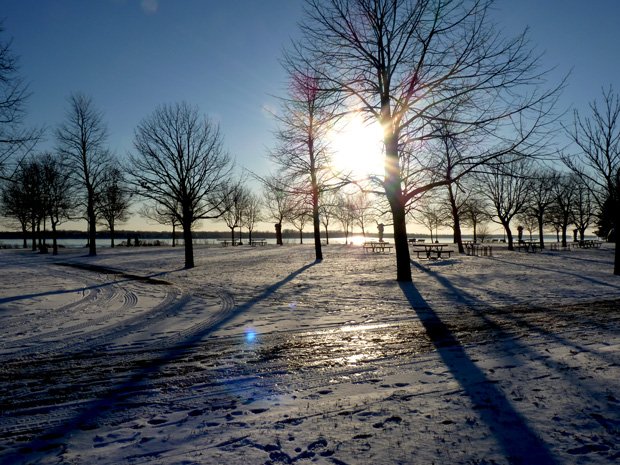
(357,147)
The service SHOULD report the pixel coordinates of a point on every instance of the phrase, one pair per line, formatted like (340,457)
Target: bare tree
(564,193)
(114,200)
(407,63)
(181,165)
(507,186)
(160,214)
(300,216)
(14,92)
(81,140)
(345,214)
(431,215)
(583,209)
(363,209)
(302,152)
(476,212)
(483,232)
(327,211)
(278,203)
(18,200)
(597,139)
(233,207)
(541,198)
(252,213)
(57,193)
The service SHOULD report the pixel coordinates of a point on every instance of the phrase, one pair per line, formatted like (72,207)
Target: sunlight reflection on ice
(362,327)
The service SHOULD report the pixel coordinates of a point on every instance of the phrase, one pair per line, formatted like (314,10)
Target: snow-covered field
(263,356)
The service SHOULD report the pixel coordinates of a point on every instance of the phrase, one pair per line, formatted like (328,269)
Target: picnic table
(529,246)
(227,243)
(377,247)
(260,242)
(432,251)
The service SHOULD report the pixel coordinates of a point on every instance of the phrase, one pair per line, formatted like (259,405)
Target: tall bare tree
(81,141)
(405,63)
(181,164)
(302,152)
(597,158)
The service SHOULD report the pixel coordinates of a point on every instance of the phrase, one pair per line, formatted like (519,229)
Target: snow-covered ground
(262,355)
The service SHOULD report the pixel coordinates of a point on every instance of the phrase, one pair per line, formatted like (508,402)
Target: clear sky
(222,55)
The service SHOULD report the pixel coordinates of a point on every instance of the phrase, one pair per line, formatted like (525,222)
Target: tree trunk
(189,245)
(112,235)
(564,227)
(279,234)
(34,235)
(582,233)
(54,241)
(508,235)
(232,235)
(301,236)
(393,191)
(25,235)
(316,222)
(541,232)
(474,224)
(617,259)
(458,239)
(92,229)
(174,235)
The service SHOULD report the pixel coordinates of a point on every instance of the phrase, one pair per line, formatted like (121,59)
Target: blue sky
(132,55)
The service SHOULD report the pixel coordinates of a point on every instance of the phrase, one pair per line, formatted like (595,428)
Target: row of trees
(457,102)
(532,199)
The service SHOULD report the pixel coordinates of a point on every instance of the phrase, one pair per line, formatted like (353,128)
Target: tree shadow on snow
(509,428)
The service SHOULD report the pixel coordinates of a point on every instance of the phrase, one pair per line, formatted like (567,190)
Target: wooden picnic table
(260,242)
(377,247)
(529,246)
(432,250)
(227,243)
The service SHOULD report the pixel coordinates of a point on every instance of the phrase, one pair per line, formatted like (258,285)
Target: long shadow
(530,266)
(475,304)
(122,391)
(509,428)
